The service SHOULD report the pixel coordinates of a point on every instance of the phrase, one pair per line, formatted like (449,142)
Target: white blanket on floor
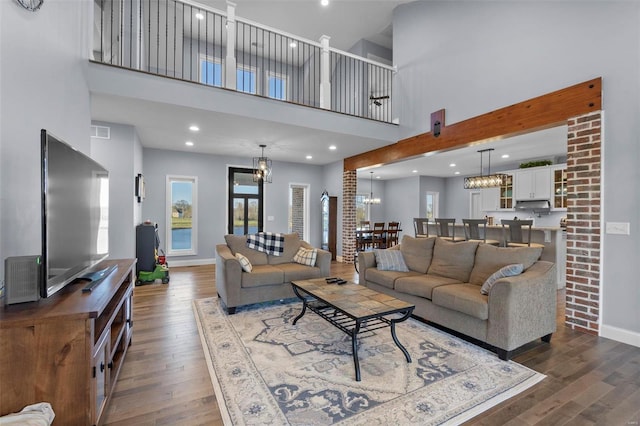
(40,414)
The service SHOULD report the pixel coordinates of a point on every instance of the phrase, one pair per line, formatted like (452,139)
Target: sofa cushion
(262,275)
(238,244)
(417,252)
(463,298)
(306,256)
(490,258)
(244,262)
(390,260)
(453,260)
(385,278)
(421,285)
(291,247)
(505,271)
(295,271)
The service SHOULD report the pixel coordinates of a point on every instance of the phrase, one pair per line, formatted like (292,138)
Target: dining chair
(476,230)
(363,239)
(513,234)
(378,240)
(393,231)
(420,227)
(445,229)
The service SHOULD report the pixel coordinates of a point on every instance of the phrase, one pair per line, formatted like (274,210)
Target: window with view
(362,212)
(277,85)
(432,205)
(181,212)
(246,80)
(210,71)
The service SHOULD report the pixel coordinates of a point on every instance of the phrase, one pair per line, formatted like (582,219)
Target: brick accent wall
(297,211)
(349,186)
(583,223)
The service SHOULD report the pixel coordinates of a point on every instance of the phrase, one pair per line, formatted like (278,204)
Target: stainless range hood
(536,206)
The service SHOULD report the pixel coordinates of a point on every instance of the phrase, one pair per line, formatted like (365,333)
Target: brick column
(349,185)
(297,211)
(583,223)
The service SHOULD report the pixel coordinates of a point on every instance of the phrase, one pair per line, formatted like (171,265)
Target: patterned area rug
(266,371)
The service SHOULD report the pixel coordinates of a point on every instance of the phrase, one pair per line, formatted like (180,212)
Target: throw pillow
(505,271)
(244,262)
(306,256)
(390,260)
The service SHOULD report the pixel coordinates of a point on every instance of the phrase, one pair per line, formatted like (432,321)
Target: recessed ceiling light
(333,147)
(456,173)
(293,44)
(200,15)
(309,157)
(452,165)
(188,143)
(324,2)
(505,155)
(377,177)
(194,128)
(414,171)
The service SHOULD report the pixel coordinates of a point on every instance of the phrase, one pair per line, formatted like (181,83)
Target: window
(181,215)
(362,212)
(245,209)
(277,85)
(246,80)
(432,205)
(299,209)
(210,71)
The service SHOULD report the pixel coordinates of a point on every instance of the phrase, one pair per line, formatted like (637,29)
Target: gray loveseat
(270,277)
(444,281)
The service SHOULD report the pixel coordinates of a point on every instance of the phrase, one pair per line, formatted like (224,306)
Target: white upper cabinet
(533,184)
(489,199)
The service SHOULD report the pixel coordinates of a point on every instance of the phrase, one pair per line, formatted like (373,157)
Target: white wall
(43,85)
(120,155)
(474,57)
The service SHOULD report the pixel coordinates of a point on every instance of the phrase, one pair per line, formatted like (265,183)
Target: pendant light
(484,181)
(371,199)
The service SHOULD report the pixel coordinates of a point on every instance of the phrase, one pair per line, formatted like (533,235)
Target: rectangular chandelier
(487,181)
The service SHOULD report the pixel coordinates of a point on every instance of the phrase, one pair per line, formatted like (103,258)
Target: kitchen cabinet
(533,184)
(506,193)
(559,175)
(489,199)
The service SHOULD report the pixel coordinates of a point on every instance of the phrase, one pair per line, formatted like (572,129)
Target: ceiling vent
(101,132)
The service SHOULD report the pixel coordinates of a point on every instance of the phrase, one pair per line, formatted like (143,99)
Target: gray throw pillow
(505,271)
(390,260)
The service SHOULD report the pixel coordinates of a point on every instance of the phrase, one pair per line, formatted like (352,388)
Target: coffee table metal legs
(395,338)
(304,305)
(354,348)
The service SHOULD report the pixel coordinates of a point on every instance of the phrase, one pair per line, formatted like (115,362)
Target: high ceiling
(346,22)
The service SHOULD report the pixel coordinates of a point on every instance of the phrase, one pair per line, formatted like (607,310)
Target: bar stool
(378,240)
(392,233)
(516,236)
(472,231)
(442,229)
(421,227)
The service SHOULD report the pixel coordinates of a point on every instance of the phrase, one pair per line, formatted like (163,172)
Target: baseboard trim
(192,262)
(620,335)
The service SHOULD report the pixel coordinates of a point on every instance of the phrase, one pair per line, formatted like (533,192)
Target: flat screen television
(75,214)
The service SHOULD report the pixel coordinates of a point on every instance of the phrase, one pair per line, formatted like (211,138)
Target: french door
(245,209)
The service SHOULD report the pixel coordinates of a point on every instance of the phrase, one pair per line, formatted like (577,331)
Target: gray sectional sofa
(270,277)
(444,279)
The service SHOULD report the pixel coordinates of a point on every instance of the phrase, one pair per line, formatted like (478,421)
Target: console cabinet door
(100,378)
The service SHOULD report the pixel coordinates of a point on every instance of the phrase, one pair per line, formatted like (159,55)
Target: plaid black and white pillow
(244,262)
(306,256)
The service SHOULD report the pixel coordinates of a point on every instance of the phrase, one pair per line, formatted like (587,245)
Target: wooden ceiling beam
(538,113)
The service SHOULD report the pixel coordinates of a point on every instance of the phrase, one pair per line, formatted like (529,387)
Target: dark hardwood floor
(165,381)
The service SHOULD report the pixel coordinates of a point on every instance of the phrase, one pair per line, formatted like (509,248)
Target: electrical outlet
(619,228)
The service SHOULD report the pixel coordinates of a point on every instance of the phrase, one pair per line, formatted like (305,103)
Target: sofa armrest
(228,276)
(523,308)
(366,259)
(323,259)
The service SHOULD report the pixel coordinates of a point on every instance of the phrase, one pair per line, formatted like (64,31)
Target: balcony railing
(192,42)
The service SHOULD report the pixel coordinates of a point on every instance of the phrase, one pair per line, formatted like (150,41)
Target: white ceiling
(165,126)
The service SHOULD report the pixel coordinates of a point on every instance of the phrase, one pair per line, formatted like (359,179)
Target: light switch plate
(620,228)
(270,218)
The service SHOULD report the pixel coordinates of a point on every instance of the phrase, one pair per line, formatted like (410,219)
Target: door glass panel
(243,184)
(252,216)
(238,216)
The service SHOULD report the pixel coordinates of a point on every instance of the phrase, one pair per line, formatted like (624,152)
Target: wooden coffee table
(353,309)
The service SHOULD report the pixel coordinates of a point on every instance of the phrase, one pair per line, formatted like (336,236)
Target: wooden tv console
(68,349)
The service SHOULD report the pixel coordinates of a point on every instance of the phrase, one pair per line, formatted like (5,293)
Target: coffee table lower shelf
(352,324)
